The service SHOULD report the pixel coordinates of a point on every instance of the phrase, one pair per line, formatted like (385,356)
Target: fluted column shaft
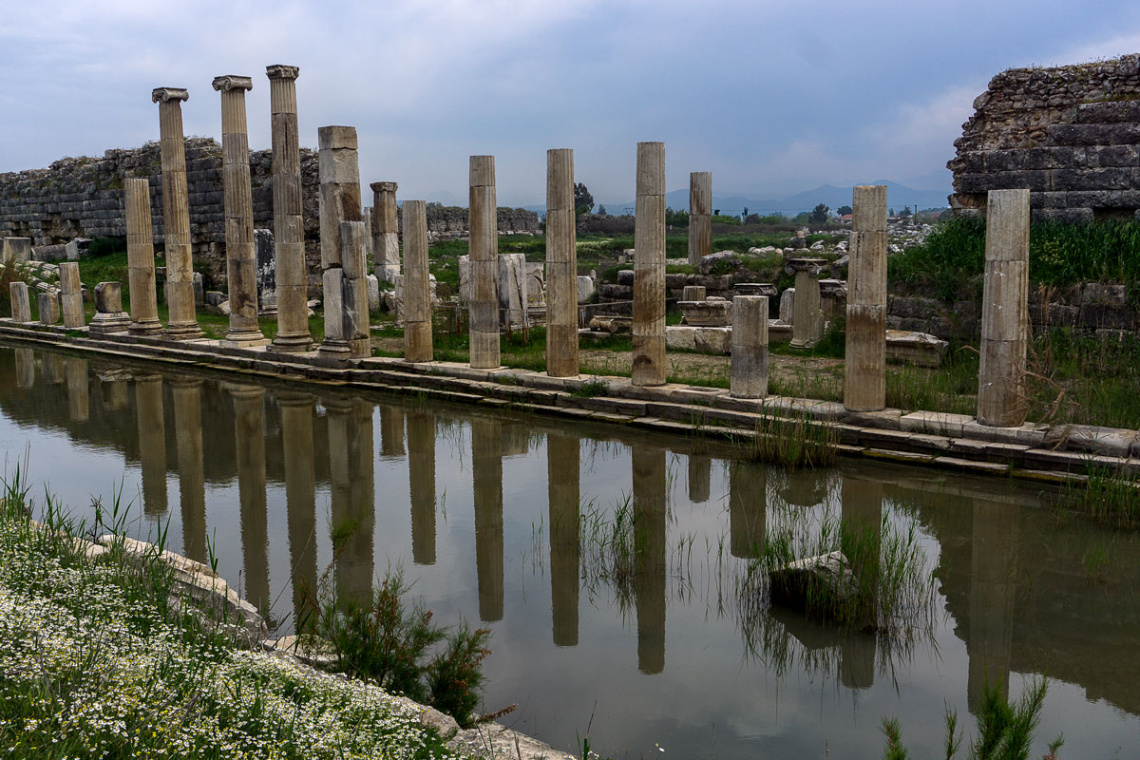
(649,267)
(561,266)
(417,284)
(484,254)
(140,258)
(71,295)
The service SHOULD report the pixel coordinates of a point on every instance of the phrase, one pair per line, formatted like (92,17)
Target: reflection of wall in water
(487,474)
(649,489)
(152,442)
(421,484)
(563,467)
(296,410)
(186,394)
(249,437)
(353,492)
(747,499)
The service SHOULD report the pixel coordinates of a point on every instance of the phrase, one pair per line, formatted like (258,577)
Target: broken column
(109,315)
(864,385)
(49,308)
(807,318)
(1005,304)
(241,262)
(700,216)
(21,306)
(385,231)
(417,284)
(749,347)
(71,295)
(649,267)
(354,288)
(339,202)
(288,225)
(561,266)
(140,258)
(183,321)
(484,252)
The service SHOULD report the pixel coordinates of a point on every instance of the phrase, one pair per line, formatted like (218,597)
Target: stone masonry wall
(83,197)
(1071,135)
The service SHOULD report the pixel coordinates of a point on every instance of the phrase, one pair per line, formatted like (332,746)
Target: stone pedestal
(561,266)
(339,202)
(241,261)
(749,347)
(694,293)
(700,216)
(807,318)
(182,322)
(484,248)
(288,225)
(71,296)
(562,474)
(385,231)
(49,308)
(140,258)
(864,385)
(1005,304)
(649,267)
(417,284)
(109,315)
(21,305)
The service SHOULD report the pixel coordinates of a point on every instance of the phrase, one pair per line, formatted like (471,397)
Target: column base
(147,328)
(244,339)
(187,331)
(294,344)
(110,324)
(336,349)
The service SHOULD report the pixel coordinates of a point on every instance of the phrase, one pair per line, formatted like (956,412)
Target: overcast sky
(772,97)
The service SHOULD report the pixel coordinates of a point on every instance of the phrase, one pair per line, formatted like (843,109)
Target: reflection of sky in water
(710,699)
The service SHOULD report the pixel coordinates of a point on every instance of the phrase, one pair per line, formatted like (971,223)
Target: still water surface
(482,512)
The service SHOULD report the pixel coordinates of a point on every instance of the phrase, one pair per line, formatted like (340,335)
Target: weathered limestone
(865,385)
(186,398)
(484,252)
(339,202)
(561,266)
(562,468)
(249,439)
(1005,309)
(140,258)
(354,285)
(650,472)
(512,289)
(78,389)
(109,315)
(300,500)
(21,305)
(487,475)
(288,226)
(15,250)
(152,443)
(241,262)
(700,216)
(649,267)
(749,347)
(183,322)
(417,284)
(807,317)
(71,296)
(421,484)
(265,265)
(49,308)
(385,231)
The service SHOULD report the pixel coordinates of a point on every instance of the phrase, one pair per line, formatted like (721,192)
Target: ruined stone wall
(83,197)
(1071,135)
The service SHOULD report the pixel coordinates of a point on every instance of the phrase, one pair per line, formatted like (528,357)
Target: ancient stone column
(249,437)
(421,484)
(807,319)
(49,308)
(487,475)
(78,389)
(700,478)
(109,315)
(864,384)
(152,442)
(649,500)
(25,367)
(354,289)
(700,216)
(353,494)
(186,396)
(484,252)
(561,266)
(417,284)
(300,500)
(649,267)
(288,225)
(749,347)
(140,258)
(562,474)
(1005,309)
(183,322)
(21,305)
(71,295)
(339,202)
(386,231)
(241,260)
(747,508)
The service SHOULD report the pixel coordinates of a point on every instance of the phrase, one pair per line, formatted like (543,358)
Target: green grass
(795,442)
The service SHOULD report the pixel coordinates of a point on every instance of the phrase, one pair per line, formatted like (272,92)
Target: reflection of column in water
(300,499)
(353,496)
(391,431)
(186,394)
(700,475)
(562,467)
(993,565)
(487,472)
(805,488)
(53,369)
(77,388)
(747,508)
(152,442)
(249,429)
(25,368)
(421,484)
(649,487)
(115,394)
(862,520)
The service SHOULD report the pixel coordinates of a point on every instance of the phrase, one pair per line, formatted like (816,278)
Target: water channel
(481,510)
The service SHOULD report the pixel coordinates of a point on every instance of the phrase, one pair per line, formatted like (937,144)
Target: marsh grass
(1108,496)
(794,442)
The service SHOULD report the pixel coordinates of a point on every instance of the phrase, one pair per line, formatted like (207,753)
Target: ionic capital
(281,71)
(165,94)
(383,187)
(232,82)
